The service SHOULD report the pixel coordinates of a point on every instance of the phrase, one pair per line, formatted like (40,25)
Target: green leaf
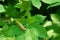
(50,1)
(2,8)
(25,0)
(2,0)
(10,38)
(53,5)
(56,38)
(20,37)
(55,18)
(37,19)
(31,35)
(41,30)
(2,38)
(15,30)
(50,33)
(56,28)
(25,5)
(11,11)
(5,29)
(36,3)
(28,14)
(1,22)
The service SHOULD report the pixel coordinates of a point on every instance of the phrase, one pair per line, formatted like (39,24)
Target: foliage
(18,20)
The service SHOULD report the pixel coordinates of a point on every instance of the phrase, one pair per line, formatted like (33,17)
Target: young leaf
(36,3)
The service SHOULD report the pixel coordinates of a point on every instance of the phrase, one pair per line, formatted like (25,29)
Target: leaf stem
(20,25)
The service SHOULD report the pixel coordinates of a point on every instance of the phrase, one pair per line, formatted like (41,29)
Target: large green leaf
(30,34)
(37,19)
(2,8)
(36,3)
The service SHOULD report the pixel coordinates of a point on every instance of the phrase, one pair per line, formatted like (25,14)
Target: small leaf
(36,3)
(37,19)
(50,33)
(2,0)
(50,1)
(55,18)
(53,5)
(2,8)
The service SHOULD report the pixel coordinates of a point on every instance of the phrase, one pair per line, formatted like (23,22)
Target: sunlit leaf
(2,8)
(36,3)
(31,35)
(55,18)
(50,1)
(53,5)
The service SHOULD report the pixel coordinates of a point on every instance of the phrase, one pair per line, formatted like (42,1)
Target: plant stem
(20,25)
